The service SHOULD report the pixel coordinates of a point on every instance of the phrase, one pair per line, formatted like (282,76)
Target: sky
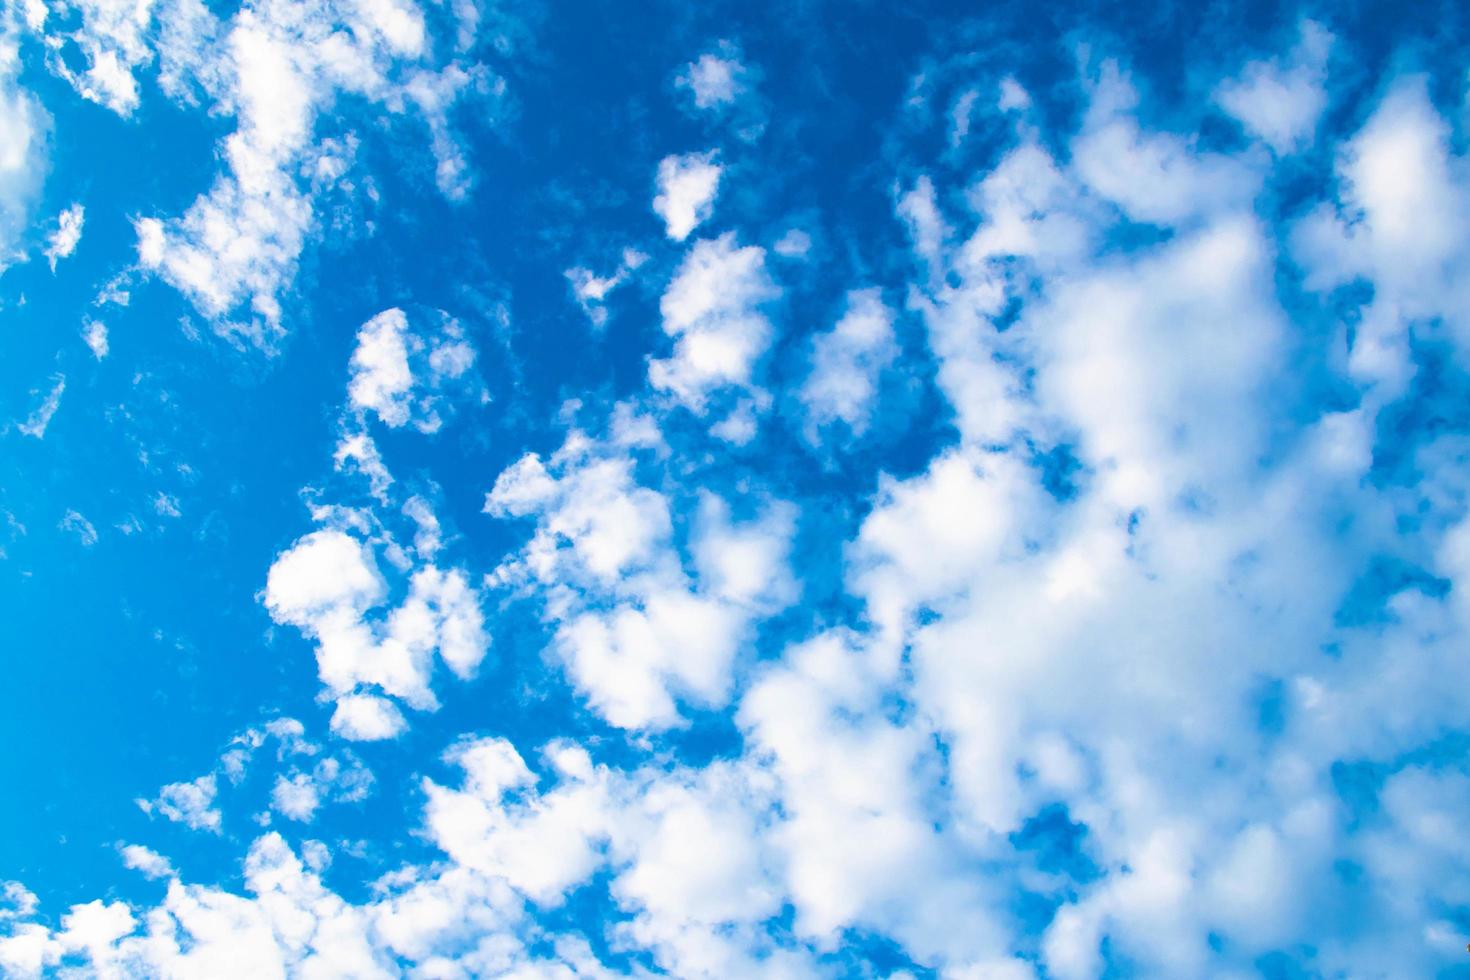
(818,489)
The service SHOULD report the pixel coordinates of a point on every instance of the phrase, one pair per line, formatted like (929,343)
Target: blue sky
(724,490)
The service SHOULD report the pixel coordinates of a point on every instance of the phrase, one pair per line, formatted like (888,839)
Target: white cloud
(715,80)
(427,539)
(635,633)
(381,377)
(712,309)
(328,585)
(149,862)
(1279,101)
(1154,658)
(275,67)
(959,116)
(74,523)
(1399,223)
(794,244)
(296,797)
(322,572)
(398,374)
(591,290)
(190,803)
(63,241)
(847,362)
(95,334)
(112,40)
(36,423)
(687,186)
(356,452)
(24,125)
(1013,97)
(367,718)
(1152,176)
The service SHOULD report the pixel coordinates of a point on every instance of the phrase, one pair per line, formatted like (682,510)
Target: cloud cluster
(636,631)
(275,68)
(1142,666)
(398,373)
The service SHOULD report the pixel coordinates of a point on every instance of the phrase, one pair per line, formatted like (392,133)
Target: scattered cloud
(40,418)
(847,362)
(714,79)
(191,804)
(75,523)
(687,186)
(397,373)
(1280,102)
(1055,573)
(712,309)
(63,241)
(95,335)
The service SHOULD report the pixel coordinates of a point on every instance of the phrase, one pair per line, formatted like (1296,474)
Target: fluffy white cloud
(1398,223)
(1151,176)
(273,67)
(687,186)
(398,374)
(367,718)
(714,79)
(24,126)
(64,240)
(147,861)
(298,795)
(328,585)
(190,803)
(712,310)
(635,633)
(847,362)
(1145,691)
(95,336)
(1280,101)
(381,378)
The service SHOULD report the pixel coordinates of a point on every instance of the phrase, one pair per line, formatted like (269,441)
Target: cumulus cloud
(1135,663)
(190,803)
(24,129)
(398,374)
(1407,237)
(298,795)
(687,186)
(1154,177)
(328,584)
(712,309)
(714,79)
(635,632)
(1280,101)
(367,718)
(149,862)
(274,68)
(847,362)
(64,240)
(95,336)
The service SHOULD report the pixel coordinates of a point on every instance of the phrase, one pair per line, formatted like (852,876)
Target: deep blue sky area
(721,490)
